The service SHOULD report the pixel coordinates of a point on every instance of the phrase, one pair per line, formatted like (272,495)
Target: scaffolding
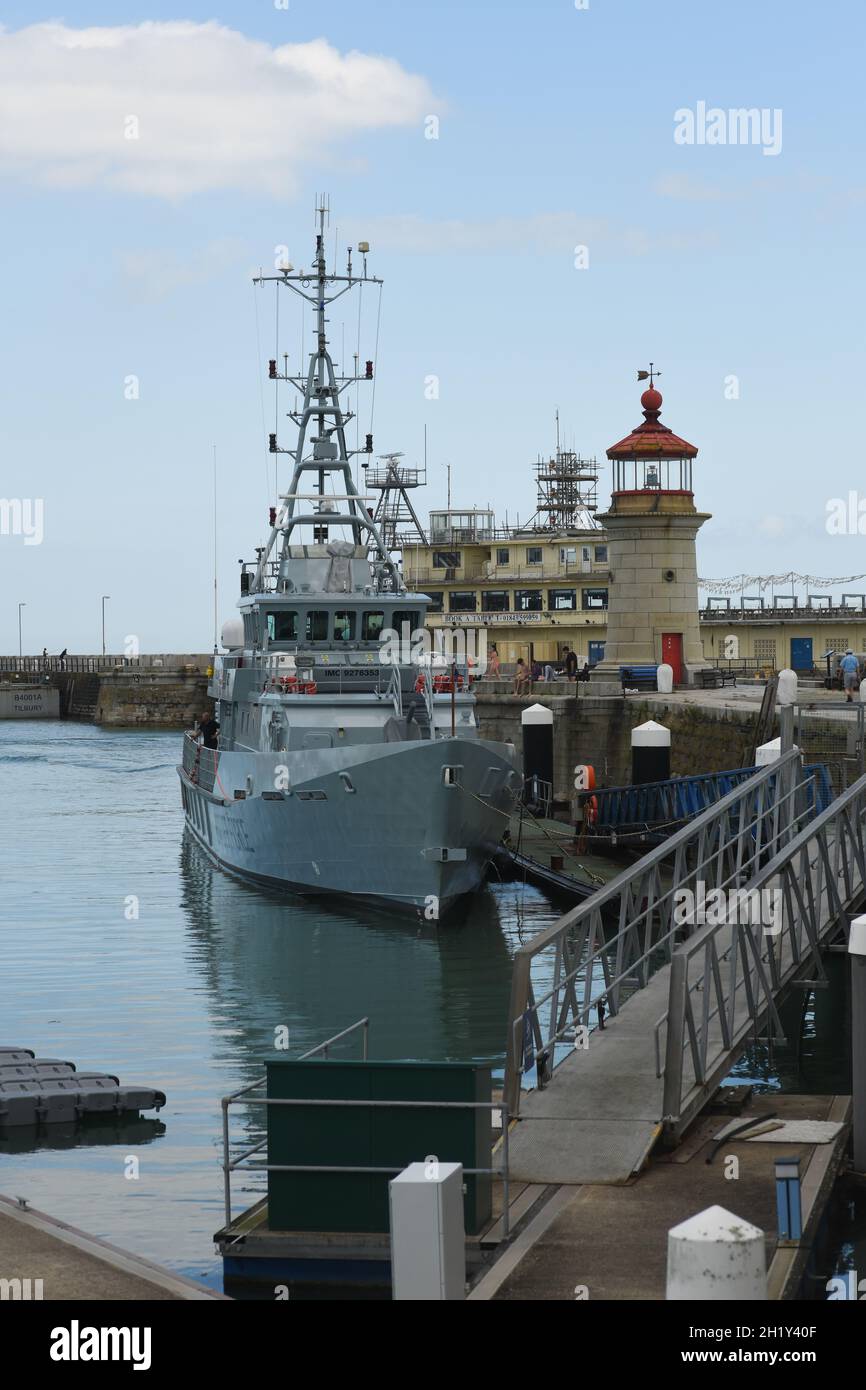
(567,493)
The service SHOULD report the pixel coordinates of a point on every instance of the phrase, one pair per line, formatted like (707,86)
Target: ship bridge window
(282,626)
(371,626)
(344,625)
(408,619)
(317,625)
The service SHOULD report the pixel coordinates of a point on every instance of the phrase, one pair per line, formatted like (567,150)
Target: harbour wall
(706,736)
(26,701)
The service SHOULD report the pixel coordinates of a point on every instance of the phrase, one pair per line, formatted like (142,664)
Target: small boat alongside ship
(348,761)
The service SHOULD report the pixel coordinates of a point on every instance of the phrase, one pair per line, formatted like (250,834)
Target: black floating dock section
(37,1091)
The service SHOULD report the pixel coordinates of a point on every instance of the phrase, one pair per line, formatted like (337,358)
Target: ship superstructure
(349,759)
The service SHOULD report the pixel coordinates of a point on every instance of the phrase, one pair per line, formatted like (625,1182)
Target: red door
(672,653)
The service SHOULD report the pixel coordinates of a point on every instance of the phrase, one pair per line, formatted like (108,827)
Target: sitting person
(522,678)
(570,663)
(536,671)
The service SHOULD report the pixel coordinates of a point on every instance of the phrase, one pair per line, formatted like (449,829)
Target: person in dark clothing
(209,729)
(570,664)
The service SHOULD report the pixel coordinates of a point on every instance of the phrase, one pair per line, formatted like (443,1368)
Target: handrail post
(227,1181)
(520,980)
(673,1087)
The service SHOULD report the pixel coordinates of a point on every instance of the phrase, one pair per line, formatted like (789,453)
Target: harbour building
(621,586)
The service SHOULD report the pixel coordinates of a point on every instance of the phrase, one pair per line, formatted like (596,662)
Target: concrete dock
(73,1266)
(610,1242)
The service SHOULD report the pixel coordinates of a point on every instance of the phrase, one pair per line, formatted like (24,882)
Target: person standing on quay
(850,668)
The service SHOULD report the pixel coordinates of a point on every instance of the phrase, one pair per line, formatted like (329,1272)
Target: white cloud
(214,108)
(687,189)
(156,273)
(541,233)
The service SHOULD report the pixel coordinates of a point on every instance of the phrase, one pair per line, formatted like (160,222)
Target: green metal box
(370,1137)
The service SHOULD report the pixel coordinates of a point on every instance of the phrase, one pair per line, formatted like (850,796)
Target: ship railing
(246,1096)
(199,763)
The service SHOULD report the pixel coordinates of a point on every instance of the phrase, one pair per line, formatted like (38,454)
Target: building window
(502,556)
(436,602)
(568,554)
(371,626)
(462,601)
(282,627)
(765,651)
(593,599)
(601,554)
(446,559)
(527,601)
(561,598)
(494,601)
(533,554)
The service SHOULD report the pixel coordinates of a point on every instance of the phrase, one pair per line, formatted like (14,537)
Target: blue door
(596,653)
(801,653)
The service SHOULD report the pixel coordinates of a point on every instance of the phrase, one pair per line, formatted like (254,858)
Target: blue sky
(556,128)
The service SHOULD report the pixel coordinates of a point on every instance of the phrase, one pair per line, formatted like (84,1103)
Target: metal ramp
(681,982)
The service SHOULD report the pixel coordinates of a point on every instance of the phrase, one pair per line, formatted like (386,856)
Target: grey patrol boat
(349,760)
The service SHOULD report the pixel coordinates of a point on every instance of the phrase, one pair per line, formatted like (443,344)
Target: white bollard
(665,679)
(428,1241)
(716,1257)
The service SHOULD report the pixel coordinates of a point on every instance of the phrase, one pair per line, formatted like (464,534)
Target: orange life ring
(420,685)
(310,688)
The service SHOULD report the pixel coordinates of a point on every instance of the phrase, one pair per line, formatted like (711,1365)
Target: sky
(545,215)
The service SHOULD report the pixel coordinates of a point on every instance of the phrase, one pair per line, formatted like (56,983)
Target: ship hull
(383,823)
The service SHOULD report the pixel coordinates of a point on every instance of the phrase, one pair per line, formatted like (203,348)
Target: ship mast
(322,412)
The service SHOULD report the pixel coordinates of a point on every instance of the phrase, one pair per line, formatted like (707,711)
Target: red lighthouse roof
(652,440)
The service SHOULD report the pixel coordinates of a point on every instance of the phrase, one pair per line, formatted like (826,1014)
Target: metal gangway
(627,1013)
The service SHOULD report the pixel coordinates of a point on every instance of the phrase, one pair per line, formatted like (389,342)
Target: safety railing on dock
(595,966)
(725,980)
(246,1096)
(641,809)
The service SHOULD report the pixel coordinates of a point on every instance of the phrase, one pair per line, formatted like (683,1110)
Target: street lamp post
(104,597)
(20,644)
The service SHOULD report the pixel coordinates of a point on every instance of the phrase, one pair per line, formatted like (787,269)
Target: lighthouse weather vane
(652,374)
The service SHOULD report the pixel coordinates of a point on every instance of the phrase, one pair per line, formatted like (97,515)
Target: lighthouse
(651,528)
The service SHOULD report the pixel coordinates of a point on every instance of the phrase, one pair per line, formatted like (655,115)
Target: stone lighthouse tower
(651,528)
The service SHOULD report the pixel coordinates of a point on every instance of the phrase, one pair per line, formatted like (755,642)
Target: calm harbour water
(187,994)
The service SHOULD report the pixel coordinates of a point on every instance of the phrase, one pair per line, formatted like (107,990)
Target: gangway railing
(599,952)
(726,980)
